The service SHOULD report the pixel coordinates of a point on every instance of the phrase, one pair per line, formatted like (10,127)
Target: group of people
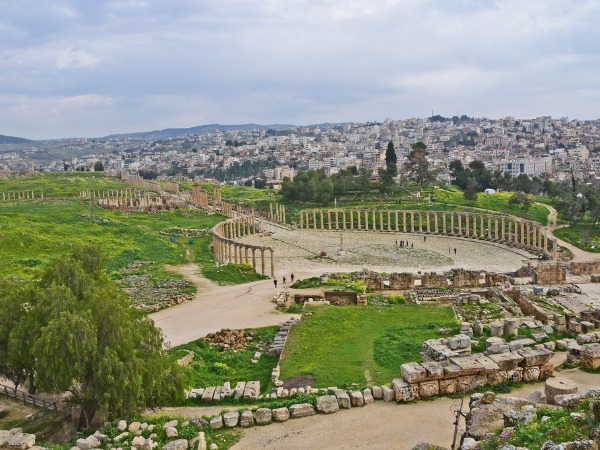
(404,244)
(284,280)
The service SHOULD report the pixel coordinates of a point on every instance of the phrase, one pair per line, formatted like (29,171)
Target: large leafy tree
(418,166)
(387,178)
(74,333)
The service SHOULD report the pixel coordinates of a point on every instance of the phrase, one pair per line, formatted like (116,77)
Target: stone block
(586,326)
(413,372)
(515,345)
(496,328)
(434,371)
(488,364)
(535,357)
(429,388)
(488,398)
(171,423)
(231,419)
(467,364)
(199,422)
(246,419)
(368,396)
(590,356)
(494,341)
(515,375)
(546,370)
(209,392)
(511,327)
(449,386)
(216,422)
(531,373)
(171,433)
(356,398)
(252,390)
(134,427)
(527,342)
(327,404)
(404,391)
(281,414)
(238,391)
(497,377)
(263,415)
(180,444)
(378,394)
(561,345)
(343,399)
(539,336)
(523,416)
(549,345)
(452,371)
(139,442)
(302,410)
(83,444)
(122,425)
(387,394)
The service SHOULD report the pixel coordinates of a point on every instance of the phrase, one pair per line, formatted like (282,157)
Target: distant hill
(13,140)
(182,132)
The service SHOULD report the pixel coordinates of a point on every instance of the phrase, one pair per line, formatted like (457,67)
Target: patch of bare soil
(298,382)
(12,413)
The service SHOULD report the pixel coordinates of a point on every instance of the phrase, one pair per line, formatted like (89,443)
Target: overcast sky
(90,68)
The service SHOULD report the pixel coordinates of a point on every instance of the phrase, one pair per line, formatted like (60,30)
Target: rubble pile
(149,294)
(135,266)
(233,339)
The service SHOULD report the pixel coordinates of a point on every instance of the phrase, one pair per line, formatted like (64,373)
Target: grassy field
(574,235)
(360,344)
(214,366)
(62,184)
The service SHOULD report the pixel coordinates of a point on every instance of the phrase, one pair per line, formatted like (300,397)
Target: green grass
(360,344)
(232,274)
(62,184)
(574,236)
(315,282)
(213,366)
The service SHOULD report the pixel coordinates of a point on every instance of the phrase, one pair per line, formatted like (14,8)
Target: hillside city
(559,148)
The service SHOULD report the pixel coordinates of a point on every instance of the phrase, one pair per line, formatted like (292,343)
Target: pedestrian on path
(455,251)
(449,250)
(283,280)
(396,241)
(412,245)
(275,283)
(292,278)
(424,238)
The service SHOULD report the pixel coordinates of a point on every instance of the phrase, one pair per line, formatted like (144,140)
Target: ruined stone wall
(585,267)
(529,309)
(341,298)
(431,280)
(550,272)
(303,298)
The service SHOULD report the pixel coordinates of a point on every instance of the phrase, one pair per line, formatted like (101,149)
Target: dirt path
(578,254)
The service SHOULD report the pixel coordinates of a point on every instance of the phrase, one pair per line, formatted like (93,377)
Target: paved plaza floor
(379,251)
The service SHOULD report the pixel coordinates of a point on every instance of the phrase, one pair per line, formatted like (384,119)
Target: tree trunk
(32,387)
(88,411)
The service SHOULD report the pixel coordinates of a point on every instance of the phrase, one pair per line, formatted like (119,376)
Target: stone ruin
(231,339)
(456,278)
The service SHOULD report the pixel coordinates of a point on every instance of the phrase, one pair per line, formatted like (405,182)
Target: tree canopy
(417,165)
(74,332)
(390,154)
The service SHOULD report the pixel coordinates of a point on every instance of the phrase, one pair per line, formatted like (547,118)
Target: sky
(81,68)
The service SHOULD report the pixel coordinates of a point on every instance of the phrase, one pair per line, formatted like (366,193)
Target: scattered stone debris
(151,294)
(135,266)
(233,339)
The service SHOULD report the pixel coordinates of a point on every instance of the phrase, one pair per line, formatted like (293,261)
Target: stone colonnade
(227,249)
(20,195)
(172,186)
(512,231)
(137,180)
(226,208)
(115,193)
(277,214)
(140,203)
(199,196)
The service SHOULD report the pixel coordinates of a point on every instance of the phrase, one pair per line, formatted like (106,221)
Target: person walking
(424,238)
(412,245)
(396,241)
(449,250)
(283,280)
(275,283)
(455,251)
(292,277)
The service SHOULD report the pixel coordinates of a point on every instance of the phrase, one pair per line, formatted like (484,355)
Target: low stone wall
(585,267)
(337,298)
(303,298)
(457,278)
(530,309)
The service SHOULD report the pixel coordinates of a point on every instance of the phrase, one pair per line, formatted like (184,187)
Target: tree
(387,177)
(456,167)
(74,333)
(66,167)
(523,200)
(471,192)
(363,181)
(390,155)
(260,183)
(418,166)
(98,166)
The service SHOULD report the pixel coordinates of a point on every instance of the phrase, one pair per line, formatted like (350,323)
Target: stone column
(420,222)
(435,217)
(262,260)
(460,225)
(489,227)
(522,233)
(328,219)
(443,223)
(412,222)
(389,221)
(554,249)
(337,220)
(314,220)
(235,250)
(351,220)
(396,221)
(452,224)
(404,221)
(270,211)
(344,219)
(301,219)
(380,221)
(254,258)
(428,228)
(374,220)
(321,211)
(546,239)
(534,237)
(528,235)
(272,263)
(467,226)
